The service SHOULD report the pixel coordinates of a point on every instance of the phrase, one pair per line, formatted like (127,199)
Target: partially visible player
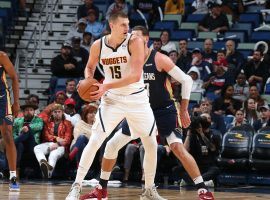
(7,112)
(123,96)
(156,70)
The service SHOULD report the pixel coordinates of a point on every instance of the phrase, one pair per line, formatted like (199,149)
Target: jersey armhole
(129,44)
(101,41)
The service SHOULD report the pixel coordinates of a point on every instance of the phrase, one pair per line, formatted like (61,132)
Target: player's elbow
(188,79)
(135,76)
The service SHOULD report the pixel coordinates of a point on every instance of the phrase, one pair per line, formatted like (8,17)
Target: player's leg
(103,126)
(111,151)
(142,123)
(175,142)
(11,154)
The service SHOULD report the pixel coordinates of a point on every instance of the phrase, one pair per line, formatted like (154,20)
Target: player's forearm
(184,79)
(184,104)
(89,72)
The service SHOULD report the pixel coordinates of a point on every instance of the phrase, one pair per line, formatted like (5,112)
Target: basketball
(85,87)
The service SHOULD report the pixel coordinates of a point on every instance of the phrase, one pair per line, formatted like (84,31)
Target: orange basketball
(85,87)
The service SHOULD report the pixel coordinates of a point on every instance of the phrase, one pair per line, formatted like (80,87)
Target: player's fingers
(94,93)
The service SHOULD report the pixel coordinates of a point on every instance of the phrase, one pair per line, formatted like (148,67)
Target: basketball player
(156,70)
(6,112)
(122,56)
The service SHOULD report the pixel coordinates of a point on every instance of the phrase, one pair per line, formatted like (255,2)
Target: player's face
(140,34)
(120,26)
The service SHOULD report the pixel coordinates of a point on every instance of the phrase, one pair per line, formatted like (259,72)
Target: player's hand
(15,109)
(96,95)
(185,119)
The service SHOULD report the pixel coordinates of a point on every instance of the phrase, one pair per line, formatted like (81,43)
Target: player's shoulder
(96,45)
(3,54)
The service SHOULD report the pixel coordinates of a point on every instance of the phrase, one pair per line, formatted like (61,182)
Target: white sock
(88,155)
(105,175)
(12,174)
(150,159)
(198,180)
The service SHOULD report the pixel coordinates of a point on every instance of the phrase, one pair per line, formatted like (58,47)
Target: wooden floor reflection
(43,191)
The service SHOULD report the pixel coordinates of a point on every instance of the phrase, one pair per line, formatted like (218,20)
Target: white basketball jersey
(116,65)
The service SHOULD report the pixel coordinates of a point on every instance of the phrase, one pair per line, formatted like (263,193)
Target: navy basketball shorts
(5,110)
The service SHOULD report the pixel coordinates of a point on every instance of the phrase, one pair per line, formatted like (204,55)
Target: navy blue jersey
(160,97)
(157,84)
(3,81)
(5,104)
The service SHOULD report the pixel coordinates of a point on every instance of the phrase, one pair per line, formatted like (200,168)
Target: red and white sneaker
(97,194)
(205,195)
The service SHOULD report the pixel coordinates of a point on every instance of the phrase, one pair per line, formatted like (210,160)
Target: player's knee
(149,142)
(8,138)
(178,149)
(96,140)
(111,150)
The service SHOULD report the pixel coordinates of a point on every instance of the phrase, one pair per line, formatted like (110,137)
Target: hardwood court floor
(49,191)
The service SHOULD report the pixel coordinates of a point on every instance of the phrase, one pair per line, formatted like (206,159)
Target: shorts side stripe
(100,118)
(152,128)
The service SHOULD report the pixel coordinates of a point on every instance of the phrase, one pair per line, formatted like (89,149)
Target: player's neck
(114,40)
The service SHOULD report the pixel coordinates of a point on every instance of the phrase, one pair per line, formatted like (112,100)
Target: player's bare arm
(164,63)
(10,70)
(136,48)
(93,59)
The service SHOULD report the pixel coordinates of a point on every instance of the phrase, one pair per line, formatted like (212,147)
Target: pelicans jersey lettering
(157,84)
(116,65)
(161,101)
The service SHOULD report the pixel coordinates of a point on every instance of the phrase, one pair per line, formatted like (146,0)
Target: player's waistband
(126,95)
(141,90)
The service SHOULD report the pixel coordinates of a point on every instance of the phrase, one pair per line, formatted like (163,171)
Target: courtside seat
(246,53)
(236,35)
(219,45)
(136,19)
(195,44)
(195,17)
(254,18)
(182,34)
(260,36)
(247,27)
(260,154)
(165,25)
(235,150)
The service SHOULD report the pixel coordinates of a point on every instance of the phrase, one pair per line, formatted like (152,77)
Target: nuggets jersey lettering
(157,84)
(116,65)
